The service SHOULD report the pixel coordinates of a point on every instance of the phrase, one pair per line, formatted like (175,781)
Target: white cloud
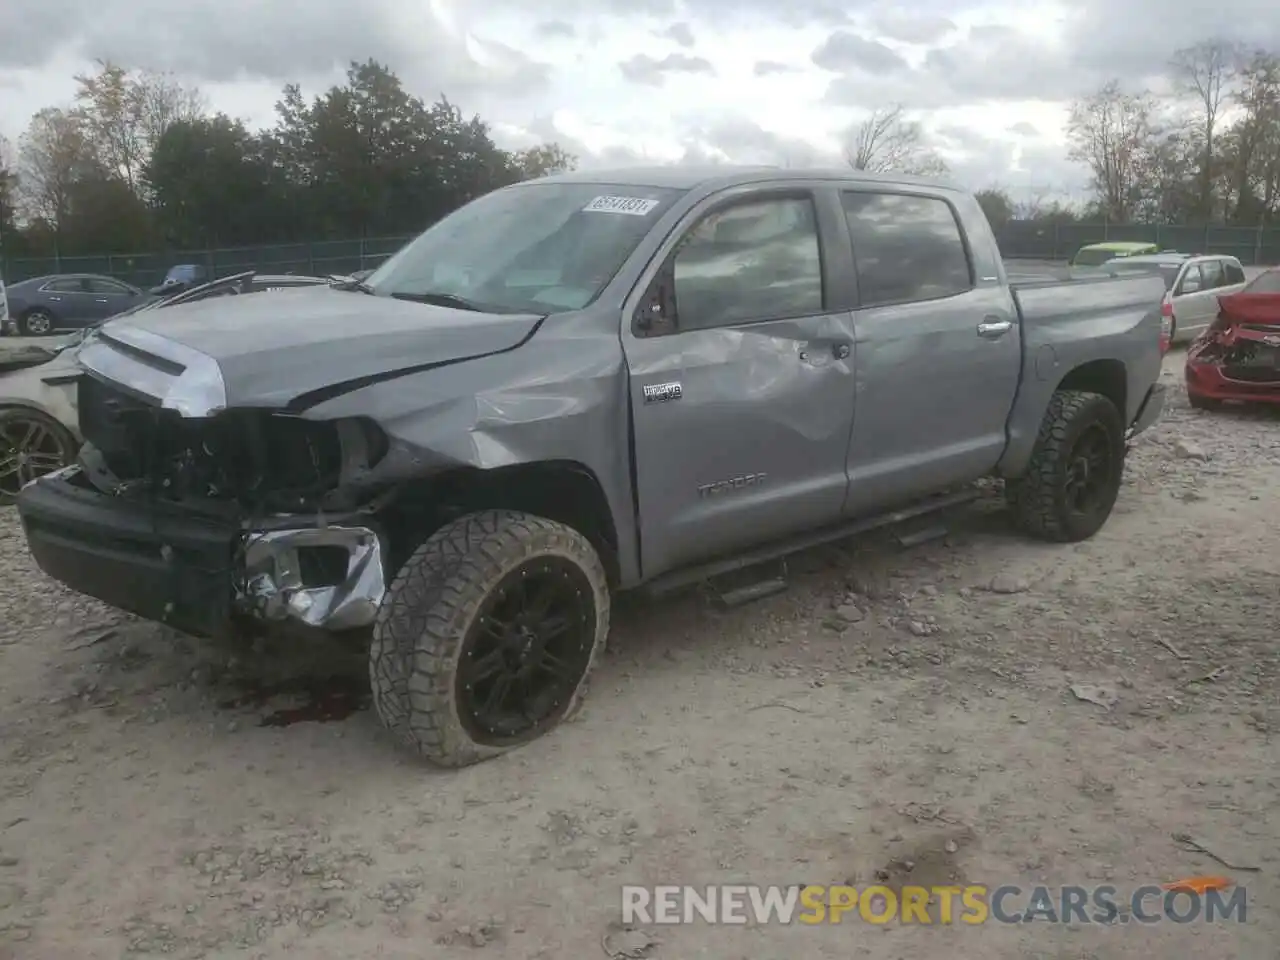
(644,80)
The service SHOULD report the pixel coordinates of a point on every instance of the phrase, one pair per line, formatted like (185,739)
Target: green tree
(542,160)
(997,205)
(210,185)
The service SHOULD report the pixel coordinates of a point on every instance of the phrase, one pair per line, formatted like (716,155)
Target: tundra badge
(662,392)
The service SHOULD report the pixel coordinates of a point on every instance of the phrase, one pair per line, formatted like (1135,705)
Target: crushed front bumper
(198,572)
(1209,381)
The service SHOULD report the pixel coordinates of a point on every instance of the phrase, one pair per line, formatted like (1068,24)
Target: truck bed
(1069,324)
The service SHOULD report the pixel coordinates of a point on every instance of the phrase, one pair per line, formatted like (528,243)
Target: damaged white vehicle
(39,423)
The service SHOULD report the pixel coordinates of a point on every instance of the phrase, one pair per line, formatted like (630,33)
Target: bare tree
(1205,71)
(1113,132)
(54,155)
(127,113)
(1251,148)
(887,141)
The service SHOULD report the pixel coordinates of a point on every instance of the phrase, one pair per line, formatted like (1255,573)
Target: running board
(676,579)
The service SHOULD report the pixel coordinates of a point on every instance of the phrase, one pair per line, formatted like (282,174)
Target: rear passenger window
(1235,272)
(1213,274)
(907,248)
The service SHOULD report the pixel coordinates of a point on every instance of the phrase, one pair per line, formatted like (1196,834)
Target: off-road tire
(1038,498)
(424,618)
(1203,403)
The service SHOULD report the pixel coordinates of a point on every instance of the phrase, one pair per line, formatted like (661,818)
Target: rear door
(110,297)
(1235,276)
(938,351)
(1189,302)
(741,409)
(1204,303)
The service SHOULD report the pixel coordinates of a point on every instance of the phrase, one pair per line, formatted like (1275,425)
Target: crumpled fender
(562,396)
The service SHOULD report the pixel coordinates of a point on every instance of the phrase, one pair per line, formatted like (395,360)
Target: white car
(1193,284)
(39,425)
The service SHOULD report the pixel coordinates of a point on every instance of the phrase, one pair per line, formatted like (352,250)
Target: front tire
(1073,480)
(488,635)
(31,445)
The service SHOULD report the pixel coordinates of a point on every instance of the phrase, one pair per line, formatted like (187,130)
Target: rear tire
(467,659)
(1073,480)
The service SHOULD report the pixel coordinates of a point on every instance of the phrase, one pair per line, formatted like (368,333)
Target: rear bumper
(1150,411)
(197,572)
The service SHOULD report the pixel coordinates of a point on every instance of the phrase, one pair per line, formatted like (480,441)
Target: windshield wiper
(349,283)
(441,299)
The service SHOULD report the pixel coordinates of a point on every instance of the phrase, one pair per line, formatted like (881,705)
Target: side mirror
(656,314)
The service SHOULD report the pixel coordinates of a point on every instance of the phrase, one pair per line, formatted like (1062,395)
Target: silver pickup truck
(588,383)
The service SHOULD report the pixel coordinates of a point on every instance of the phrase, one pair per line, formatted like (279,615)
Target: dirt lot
(891,706)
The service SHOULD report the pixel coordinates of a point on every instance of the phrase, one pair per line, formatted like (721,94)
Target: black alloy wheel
(526,652)
(1090,470)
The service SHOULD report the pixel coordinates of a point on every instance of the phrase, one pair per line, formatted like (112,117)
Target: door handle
(993,328)
(102,299)
(59,299)
(840,350)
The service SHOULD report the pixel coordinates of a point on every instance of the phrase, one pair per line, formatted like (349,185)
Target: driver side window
(756,260)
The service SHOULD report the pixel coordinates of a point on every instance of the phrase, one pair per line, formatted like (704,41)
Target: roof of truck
(727,175)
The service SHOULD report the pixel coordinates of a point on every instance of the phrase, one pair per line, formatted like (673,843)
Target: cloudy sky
(626,81)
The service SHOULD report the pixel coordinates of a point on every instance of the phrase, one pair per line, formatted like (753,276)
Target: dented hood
(274,348)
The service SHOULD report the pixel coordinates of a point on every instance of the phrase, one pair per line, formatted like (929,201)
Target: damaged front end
(202,521)
(1238,357)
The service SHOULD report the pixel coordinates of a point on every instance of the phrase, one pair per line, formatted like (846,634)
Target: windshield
(537,248)
(1268,282)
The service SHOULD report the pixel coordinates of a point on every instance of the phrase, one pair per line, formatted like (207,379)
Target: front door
(938,352)
(69,300)
(742,410)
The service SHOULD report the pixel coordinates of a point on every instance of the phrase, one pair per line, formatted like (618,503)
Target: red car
(1238,357)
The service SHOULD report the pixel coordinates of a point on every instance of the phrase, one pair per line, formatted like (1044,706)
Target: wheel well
(1106,377)
(560,490)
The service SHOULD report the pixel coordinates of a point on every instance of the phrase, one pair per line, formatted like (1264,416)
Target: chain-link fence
(148,269)
(1049,241)
(1021,239)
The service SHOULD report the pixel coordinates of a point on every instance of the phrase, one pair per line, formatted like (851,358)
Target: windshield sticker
(632,206)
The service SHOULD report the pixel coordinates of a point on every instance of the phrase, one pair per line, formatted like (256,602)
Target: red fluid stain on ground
(323,700)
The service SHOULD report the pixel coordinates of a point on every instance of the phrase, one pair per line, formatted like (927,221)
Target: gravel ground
(897,704)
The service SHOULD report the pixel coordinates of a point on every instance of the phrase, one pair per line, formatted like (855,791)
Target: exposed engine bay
(262,461)
(301,537)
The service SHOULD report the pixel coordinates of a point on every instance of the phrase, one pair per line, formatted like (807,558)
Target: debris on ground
(1105,697)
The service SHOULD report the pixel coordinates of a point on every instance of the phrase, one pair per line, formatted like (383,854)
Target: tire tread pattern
(428,608)
(1036,496)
